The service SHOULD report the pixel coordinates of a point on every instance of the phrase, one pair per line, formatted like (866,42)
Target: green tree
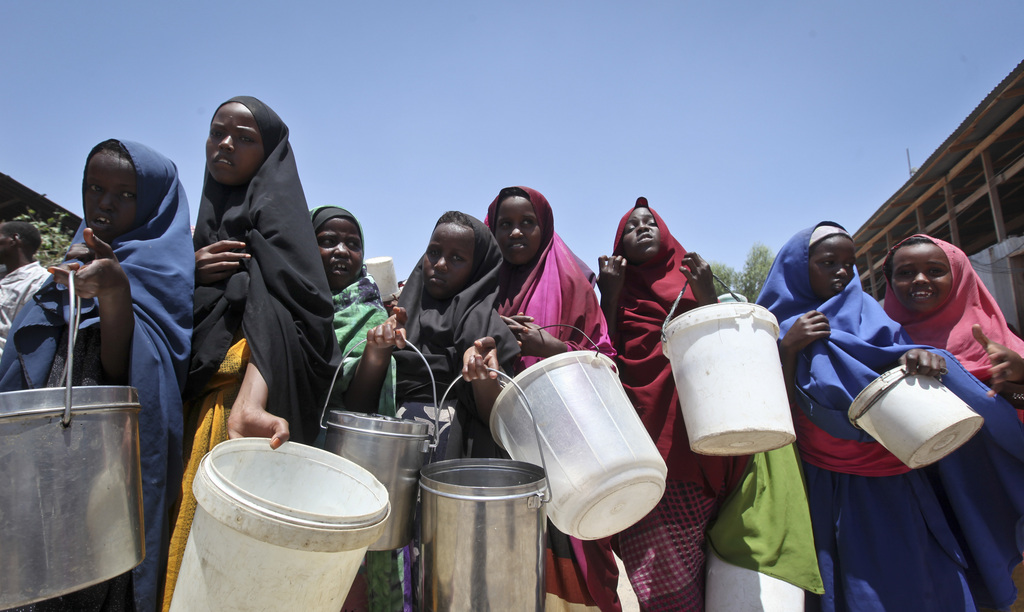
(727,274)
(749,281)
(55,239)
(755,270)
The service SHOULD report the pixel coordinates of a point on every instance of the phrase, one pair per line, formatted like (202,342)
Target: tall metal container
(71,508)
(483,534)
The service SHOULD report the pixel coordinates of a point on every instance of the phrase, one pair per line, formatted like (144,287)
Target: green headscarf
(357,309)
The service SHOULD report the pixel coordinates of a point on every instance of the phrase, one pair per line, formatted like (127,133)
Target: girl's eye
(95,188)
(353,245)
(245,139)
(215,133)
(128,195)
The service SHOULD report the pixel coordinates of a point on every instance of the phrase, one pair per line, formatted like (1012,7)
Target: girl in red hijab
(664,552)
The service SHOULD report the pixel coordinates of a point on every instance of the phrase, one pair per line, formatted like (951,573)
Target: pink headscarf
(554,287)
(949,326)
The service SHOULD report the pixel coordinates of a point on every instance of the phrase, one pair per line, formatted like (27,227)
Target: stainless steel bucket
(391,449)
(71,507)
(483,535)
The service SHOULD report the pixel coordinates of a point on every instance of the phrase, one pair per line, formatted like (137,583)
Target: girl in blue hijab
(888,537)
(135,268)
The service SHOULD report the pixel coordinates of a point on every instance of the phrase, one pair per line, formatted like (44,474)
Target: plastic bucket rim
(874,392)
(700,315)
(523,378)
(293,516)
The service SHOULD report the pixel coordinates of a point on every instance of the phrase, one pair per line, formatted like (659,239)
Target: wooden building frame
(970,191)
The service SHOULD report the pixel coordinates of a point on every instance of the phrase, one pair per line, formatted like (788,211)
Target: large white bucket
(725,362)
(277,529)
(731,588)
(914,417)
(382,269)
(604,471)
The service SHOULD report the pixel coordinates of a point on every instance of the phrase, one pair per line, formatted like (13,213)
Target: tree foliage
(55,241)
(749,281)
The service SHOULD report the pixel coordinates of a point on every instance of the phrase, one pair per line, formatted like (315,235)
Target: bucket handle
(686,283)
(75,304)
(597,349)
(433,387)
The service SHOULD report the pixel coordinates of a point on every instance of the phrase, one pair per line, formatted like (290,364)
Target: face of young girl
(921,277)
(831,265)
(448,262)
(109,197)
(342,252)
(641,237)
(234,148)
(517,231)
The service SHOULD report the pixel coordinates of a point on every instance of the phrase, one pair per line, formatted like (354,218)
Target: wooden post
(954,230)
(919,211)
(993,196)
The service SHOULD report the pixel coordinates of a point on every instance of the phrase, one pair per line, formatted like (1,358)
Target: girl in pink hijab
(932,290)
(542,283)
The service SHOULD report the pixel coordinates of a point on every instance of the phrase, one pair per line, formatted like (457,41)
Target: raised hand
(1007,365)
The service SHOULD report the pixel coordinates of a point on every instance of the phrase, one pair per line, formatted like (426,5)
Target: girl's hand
(611,274)
(219,260)
(922,362)
(808,328)
(701,278)
(101,276)
(1007,365)
(249,417)
(478,358)
(533,341)
(390,333)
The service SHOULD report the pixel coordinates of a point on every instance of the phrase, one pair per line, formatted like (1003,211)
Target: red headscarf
(554,287)
(949,325)
(647,295)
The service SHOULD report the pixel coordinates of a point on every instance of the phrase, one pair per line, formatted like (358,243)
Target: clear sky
(740,121)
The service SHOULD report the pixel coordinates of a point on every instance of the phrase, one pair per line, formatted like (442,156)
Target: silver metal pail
(71,508)
(484,528)
(391,449)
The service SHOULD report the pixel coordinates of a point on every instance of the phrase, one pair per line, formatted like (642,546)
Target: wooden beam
(954,230)
(919,211)
(993,197)
(1005,126)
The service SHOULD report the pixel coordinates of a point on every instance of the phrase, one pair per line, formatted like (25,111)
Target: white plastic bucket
(277,529)
(725,362)
(731,588)
(604,471)
(382,269)
(914,417)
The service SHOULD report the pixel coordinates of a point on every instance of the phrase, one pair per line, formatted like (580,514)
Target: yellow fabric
(206,426)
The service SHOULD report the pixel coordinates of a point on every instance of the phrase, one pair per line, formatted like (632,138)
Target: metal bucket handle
(341,364)
(664,326)
(546,494)
(75,304)
(597,349)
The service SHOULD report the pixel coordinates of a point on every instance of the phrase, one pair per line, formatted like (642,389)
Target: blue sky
(740,121)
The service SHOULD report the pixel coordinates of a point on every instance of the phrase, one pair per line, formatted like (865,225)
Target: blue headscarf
(982,482)
(159,261)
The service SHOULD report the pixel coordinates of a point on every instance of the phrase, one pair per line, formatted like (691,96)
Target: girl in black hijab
(263,348)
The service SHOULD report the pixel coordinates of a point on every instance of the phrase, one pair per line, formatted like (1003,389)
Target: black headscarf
(444,329)
(279,298)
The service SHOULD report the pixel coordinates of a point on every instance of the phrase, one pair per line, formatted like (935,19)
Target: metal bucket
(483,535)
(71,508)
(391,449)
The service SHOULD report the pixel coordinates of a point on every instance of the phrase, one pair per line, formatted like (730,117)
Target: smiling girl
(934,292)
(888,537)
(134,271)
